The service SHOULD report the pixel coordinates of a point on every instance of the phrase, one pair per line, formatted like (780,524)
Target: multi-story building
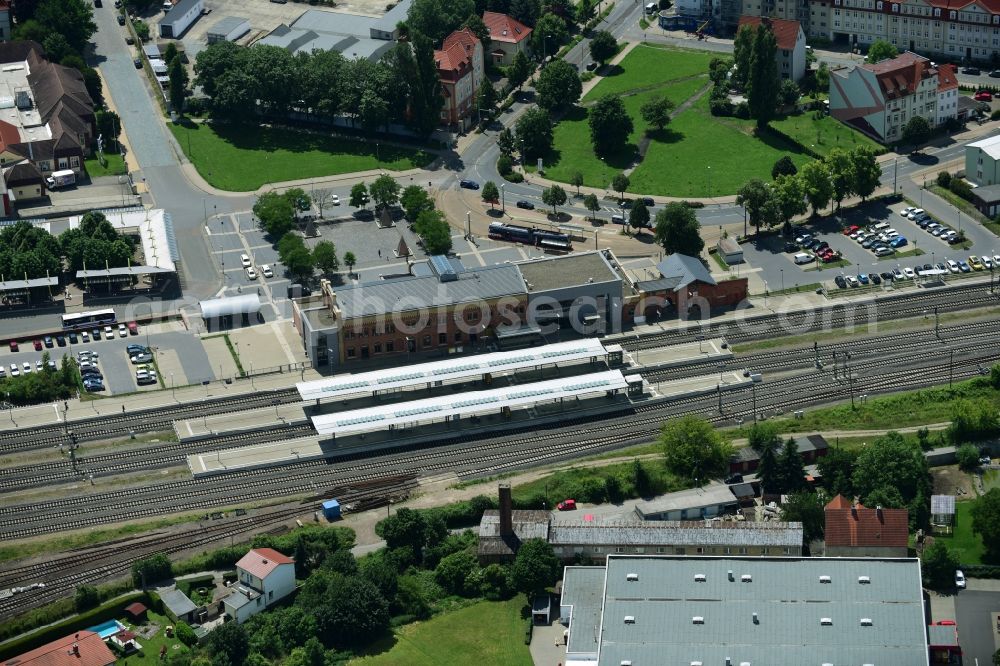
(958,30)
(982,161)
(879,99)
(790,10)
(459,65)
(790,58)
(507,37)
(263,577)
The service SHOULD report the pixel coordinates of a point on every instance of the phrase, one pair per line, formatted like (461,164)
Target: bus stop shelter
(222,311)
(13,292)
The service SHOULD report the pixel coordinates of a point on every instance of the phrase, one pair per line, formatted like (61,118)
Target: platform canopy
(383,417)
(231,305)
(20,285)
(451,369)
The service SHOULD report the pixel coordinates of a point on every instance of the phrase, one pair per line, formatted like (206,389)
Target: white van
(803,258)
(880,226)
(652,8)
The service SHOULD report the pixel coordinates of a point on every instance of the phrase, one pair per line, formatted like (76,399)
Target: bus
(72,322)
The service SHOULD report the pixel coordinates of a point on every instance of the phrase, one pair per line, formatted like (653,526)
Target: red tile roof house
(84,648)
(791,56)
(857,531)
(263,577)
(459,65)
(507,37)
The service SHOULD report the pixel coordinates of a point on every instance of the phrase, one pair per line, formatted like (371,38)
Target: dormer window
(937,11)
(878,5)
(996,18)
(895,8)
(952,15)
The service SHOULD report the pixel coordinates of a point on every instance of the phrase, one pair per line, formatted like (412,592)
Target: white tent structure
(231,306)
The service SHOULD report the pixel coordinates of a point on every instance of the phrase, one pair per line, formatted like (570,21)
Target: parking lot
(775,259)
(974,613)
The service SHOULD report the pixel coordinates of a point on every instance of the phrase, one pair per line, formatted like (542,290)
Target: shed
(228,29)
(224,309)
(541,609)
(178,605)
(136,611)
(331,509)
(730,251)
(180,18)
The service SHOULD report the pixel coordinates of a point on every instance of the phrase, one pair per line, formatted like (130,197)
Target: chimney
(76,649)
(878,512)
(506,517)
(854,512)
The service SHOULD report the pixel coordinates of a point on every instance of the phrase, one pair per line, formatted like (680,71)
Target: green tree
(550,33)
(693,450)
(519,70)
(763,435)
(656,111)
(491,193)
(972,420)
(554,196)
(753,196)
(274,213)
(475,23)
(620,183)
(763,84)
(641,482)
(815,179)
(505,141)
(576,180)
(768,470)
(603,46)
(325,257)
(73,19)
(359,195)
(487,97)
(349,610)
(216,61)
(230,641)
(185,634)
(535,567)
(891,461)
(937,565)
(384,191)
(381,570)
(178,84)
(837,468)
(916,132)
(350,260)
(150,570)
(415,200)
(967,456)
(591,203)
(558,86)
(789,92)
(295,256)
(638,217)
(791,469)
(534,133)
(85,598)
(299,200)
(943,179)
(170,52)
(436,19)
(526,11)
(677,230)
(373,108)
(810,510)
(784,167)
(840,166)
(867,172)
(610,125)
(425,100)
(881,50)
(434,232)
(742,54)
(454,573)
(986,522)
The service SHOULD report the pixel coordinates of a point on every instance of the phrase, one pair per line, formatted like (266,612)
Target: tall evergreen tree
(763,84)
(426,100)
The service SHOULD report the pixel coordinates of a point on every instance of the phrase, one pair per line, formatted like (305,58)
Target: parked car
(984,96)
(145,357)
(85,336)
(121,20)
(48,341)
(851,229)
(995,74)
(567,505)
(137,63)
(245,261)
(13,345)
(791,247)
(971,71)
(862,278)
(964,267)
(96,334)
(251,273)
(986,261)
(133,328)
(906,211)
(959,579)
(591,66)
(647,201)
(37,344)
(909,273)
(73,338)
(852,281)
(734,478)
(122,331)
(897,242)
(884,251)
(61,340)
(468,184)
(874,277)
(840,281)
(26,367)
(973,261)
(14,370)
(137,349)
(266,271)
(526,205)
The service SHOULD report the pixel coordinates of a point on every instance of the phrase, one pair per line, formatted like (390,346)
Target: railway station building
(778,611)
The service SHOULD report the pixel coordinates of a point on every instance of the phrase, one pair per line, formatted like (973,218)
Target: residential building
(853,530)
(790,58)
(180,18)
(263,577)
(811,448)
(880,99)
(353,35)
(82,648)
(24,182)
(459,65)
(590,536)
(957,31)
(790,10)
(776,611)
(508,36)
(982,161)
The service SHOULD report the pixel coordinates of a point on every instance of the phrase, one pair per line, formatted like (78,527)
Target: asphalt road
(972,610)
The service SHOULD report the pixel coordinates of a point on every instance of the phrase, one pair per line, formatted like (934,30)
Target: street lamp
(782,279)
(503,202)
(710,181)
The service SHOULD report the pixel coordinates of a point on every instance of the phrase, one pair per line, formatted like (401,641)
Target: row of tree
(839,175)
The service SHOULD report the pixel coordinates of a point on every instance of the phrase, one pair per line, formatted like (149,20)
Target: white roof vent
(864,580)
(730,572)
(697,619)
(699,578)
(632,576)
(630,619)
(826,663)
(626,662)
(866,622)
(744,663)
(826,621)
(824,579)
(746,578)
(695,663)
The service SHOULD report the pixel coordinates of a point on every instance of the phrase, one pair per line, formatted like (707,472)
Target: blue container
(331,509)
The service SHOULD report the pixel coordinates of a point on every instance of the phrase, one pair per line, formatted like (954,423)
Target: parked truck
(63,178)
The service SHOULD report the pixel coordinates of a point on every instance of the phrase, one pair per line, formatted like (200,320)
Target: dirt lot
(950,481)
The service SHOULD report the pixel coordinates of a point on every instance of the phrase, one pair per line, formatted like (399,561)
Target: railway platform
(700,385)
(703,351)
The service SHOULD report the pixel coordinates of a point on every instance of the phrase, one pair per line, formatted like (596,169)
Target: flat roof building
(575,290)
(773,611)
(354,35)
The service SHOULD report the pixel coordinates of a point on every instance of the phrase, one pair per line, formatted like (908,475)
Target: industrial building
(767,611)
(180,18)
(228,29)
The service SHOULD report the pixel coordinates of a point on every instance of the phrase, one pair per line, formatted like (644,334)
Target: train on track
(553,241)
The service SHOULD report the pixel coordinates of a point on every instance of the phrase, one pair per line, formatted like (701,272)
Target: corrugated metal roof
(676,533)
(177,602)
(711,494)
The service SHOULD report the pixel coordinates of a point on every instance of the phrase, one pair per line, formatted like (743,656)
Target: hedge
(980,570)
(109,611)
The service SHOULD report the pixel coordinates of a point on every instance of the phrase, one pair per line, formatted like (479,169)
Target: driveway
(975,630)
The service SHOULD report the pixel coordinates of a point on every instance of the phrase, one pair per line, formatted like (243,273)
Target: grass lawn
(915,252)
(150,653)
(115,166)
(647,67)
(241,159)
(822,134)
(485,634)
(704,155)
(967,545)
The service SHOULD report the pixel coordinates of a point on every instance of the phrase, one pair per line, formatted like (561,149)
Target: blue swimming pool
(107,629)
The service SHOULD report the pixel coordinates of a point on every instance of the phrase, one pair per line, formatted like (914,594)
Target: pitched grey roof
(177,602)
(688,269)
(676,533)
(711,494)
(987,193)
(226,25)
(526,524)
(179,10)
(414,292)
(786,595)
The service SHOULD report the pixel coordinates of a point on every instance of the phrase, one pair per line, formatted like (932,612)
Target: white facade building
(982,161)
(263,577)
(790,58)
